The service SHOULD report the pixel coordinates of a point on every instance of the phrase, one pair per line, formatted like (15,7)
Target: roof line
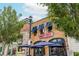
(40,20)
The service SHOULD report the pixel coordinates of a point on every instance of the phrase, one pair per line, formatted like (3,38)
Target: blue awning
(41,27)
(48,24)
(34,29)
(55,45)
(41,44)
(29,46)
(36,46)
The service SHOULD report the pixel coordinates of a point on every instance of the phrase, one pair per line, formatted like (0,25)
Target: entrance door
(39,51)
(57,51)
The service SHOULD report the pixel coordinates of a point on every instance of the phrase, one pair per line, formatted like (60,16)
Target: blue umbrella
(35,46)
(43,43)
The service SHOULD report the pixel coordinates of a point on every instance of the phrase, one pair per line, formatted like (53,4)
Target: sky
(35,10)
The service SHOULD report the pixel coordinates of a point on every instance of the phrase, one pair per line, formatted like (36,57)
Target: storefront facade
(47,40)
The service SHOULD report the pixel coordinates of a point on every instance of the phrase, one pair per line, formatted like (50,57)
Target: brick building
(47,40)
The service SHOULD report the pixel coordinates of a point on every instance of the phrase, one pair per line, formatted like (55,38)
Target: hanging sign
(46,35)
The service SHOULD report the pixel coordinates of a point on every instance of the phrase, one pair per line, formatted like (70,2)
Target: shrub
(76,53)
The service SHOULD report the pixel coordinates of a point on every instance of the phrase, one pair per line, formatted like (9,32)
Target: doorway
(58,50)
(39,51)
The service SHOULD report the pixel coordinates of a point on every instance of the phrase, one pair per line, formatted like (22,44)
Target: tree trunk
(11,49)
(3,46)
(6,49)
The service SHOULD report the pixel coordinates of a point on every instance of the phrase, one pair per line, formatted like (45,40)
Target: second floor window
(41,28)
(41,31)
(34,30)
(49,26)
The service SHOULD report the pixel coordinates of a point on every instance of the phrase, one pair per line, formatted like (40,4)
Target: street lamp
(30,22)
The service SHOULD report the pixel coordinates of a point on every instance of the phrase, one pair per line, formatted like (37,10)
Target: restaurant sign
(46,35)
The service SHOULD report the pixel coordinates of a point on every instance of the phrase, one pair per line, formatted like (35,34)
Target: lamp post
(30,22)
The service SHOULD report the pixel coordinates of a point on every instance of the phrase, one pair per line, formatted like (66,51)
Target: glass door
(57,51)
(39,51)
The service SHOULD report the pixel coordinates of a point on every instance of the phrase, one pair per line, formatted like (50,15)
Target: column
(46,51)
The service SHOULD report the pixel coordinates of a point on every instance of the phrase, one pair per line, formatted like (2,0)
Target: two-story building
(47,40)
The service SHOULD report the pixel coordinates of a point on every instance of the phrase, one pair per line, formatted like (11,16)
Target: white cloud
(35,10)
(36,18)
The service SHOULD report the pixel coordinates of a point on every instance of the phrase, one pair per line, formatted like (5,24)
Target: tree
(66,17)
(9,27)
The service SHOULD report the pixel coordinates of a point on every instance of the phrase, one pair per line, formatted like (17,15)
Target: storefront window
(57,50)
(39,51)
(41,31)
(49,28)
(35,33)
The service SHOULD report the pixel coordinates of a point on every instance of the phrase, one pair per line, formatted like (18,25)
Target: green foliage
(76,53)
(68,17)
(10,25)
